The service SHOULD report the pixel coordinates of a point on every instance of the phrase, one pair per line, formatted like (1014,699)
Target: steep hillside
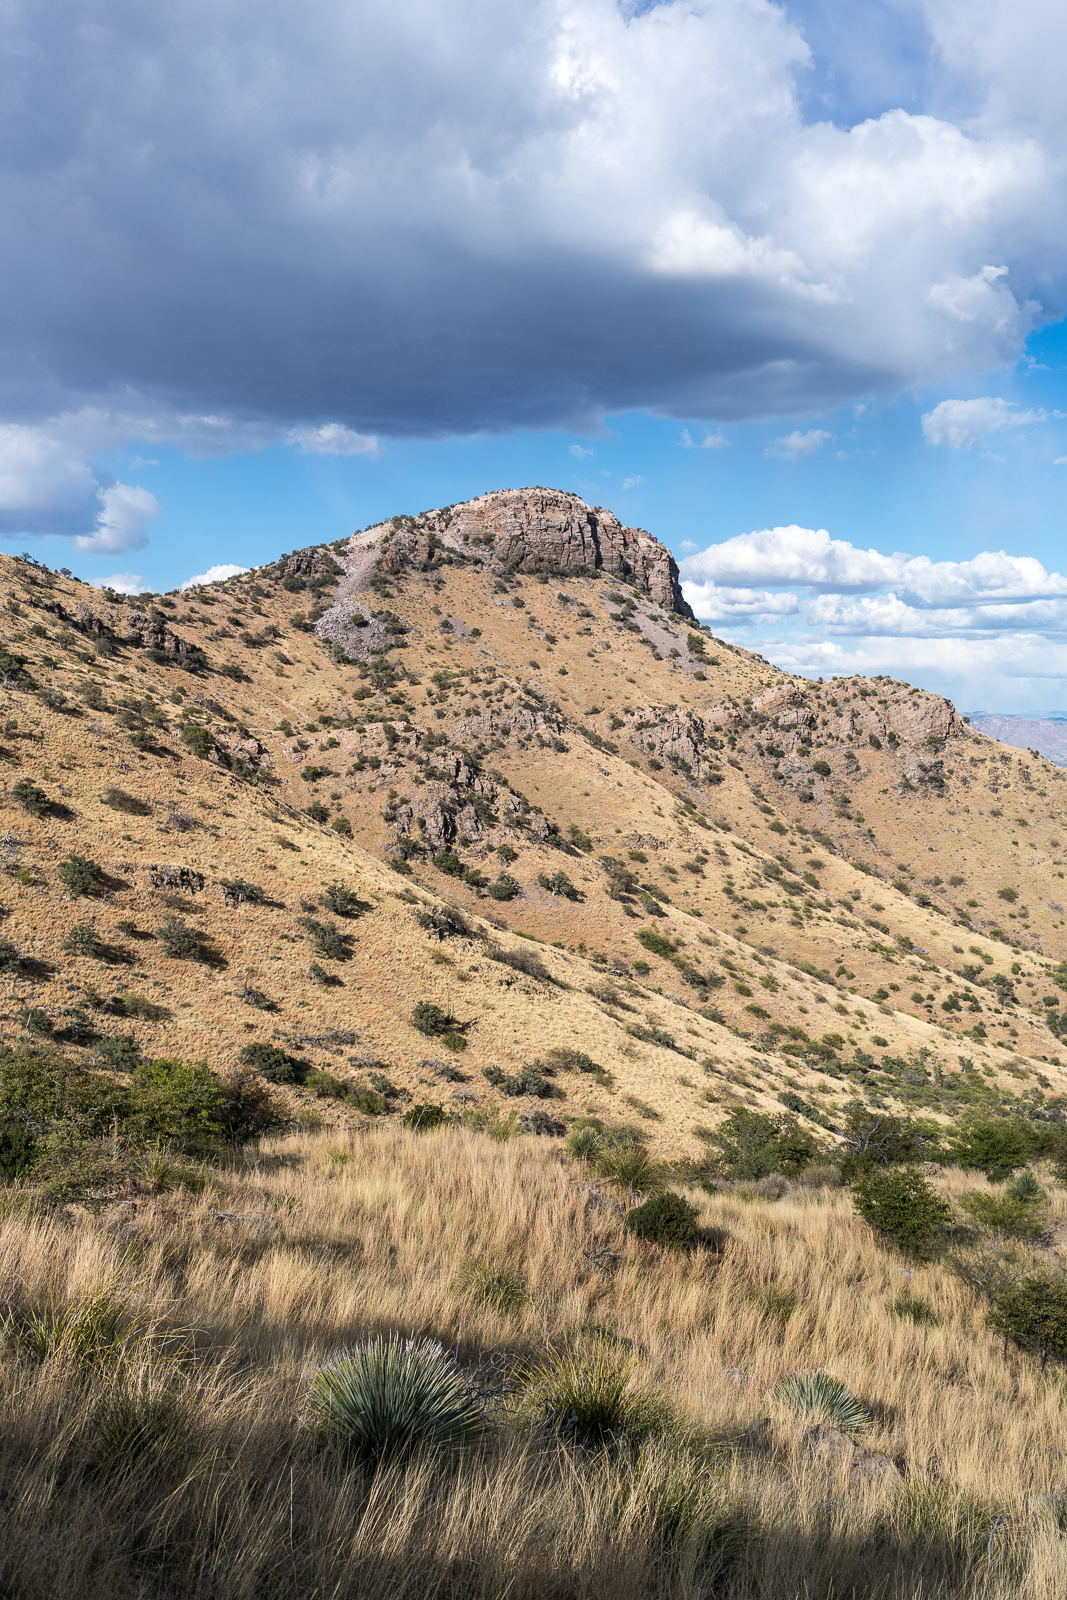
(716,884)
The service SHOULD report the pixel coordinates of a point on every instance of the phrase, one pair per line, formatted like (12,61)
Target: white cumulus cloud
(963,423)
(711,441)
(334,439)
(122,522)
(794,446)
(217,574)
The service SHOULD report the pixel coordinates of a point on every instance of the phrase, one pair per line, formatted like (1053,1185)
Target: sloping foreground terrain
(159,1442)
(439,934)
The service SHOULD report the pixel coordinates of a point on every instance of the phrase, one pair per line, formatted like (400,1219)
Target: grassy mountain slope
(770,887)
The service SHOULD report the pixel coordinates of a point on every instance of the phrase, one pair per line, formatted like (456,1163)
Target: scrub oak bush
(901,1205)
(666,1219)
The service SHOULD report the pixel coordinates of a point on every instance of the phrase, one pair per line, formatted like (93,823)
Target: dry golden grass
(308,1243)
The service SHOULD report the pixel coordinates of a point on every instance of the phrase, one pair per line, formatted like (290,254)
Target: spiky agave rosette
(817,1394)
(387,1396)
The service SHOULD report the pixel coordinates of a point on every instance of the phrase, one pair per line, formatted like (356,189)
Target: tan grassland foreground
(325,1241)
(725,890)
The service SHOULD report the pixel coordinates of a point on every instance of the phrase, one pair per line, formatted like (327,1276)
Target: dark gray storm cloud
(224,224)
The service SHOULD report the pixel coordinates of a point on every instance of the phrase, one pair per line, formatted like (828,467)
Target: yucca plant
(1026,1187)
(583,1144)
(630,1166)
(586,1392)
(497,1285)
(388,1396)
(817,1395)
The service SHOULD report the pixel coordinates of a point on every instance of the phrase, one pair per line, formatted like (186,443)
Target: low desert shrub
(901,1205)
(665,1219)
(82,940)
(178,1103)
(179,942)
(430,1019)
(1034,1313)
(30,796)
(121,1053)
(423,1118)
(341,900)
(79,875)
(272,1063)
(817,1395)
(390,1396)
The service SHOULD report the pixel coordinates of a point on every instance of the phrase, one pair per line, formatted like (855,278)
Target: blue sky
(276,275)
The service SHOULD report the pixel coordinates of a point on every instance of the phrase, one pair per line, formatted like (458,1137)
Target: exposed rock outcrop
(534,530)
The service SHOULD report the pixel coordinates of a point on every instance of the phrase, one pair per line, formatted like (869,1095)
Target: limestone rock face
(542,529)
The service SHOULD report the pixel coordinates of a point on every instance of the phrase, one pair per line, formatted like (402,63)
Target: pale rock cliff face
(536,530)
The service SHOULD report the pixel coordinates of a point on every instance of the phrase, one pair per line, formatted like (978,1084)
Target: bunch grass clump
(586,1391)
(389,1396)
(497,1285)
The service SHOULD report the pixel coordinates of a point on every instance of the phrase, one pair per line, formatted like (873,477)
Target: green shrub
(197,739)
(318,812)
(30,797)
(178,1103)
(424,1117)
(900,1204)
(82,940)
(448,862)
(429,1019)
(656,943)
(585,1391)
(42,1087)
(340,899)
(995,1146)
(18,1147)
(1005,1213)
(34,1020)
(452,1039)
(80,875)
(120,1053)
(816,1394)
(752,1145)
(1035,1314)
(272,1063)
(389,1396)
(326,939)
(505,887)
(178,940)
(666,1219)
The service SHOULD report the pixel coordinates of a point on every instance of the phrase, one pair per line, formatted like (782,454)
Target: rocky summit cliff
(539,530)
(483,759)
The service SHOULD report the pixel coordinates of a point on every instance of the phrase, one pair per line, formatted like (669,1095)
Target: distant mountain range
(1047,735)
